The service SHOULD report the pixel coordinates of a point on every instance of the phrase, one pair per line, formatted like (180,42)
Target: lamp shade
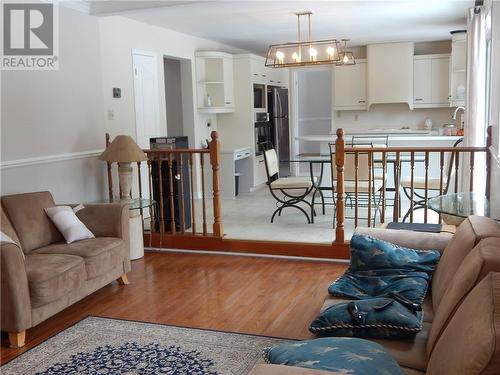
(123,149)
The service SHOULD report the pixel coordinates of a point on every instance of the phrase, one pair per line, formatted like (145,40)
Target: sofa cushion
(68,224)
(27,215)
(342,354)
(470,343)
(468,234)
(99,254)
(51,276)
(409,353)
(380,318)
(369,253)
(482,259)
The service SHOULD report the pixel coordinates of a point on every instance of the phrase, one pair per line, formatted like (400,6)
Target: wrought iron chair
(294,189)
(433,184)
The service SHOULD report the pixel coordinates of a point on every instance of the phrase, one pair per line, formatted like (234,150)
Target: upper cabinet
(390,73)
(431,81)
(215,85)
(349,86)
(458,64)
(265,75)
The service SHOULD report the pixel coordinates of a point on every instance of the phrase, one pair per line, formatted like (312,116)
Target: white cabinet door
(422,81)
(440,80)
(349,87)
(259,171)
(228,82)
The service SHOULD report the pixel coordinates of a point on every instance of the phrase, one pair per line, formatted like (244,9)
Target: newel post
(214,147)
(110,177)
(339,163)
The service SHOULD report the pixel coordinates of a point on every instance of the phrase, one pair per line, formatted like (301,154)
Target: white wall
(46,114)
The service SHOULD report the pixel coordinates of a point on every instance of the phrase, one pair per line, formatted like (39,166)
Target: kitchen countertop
(408,136)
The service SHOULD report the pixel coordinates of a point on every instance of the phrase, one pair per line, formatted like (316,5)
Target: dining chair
(364,180)
(433,184)
(294,190)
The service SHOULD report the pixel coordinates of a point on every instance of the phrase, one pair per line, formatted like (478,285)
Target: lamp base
(125,178)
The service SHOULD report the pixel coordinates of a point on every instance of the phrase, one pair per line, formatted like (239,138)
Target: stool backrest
(272,164)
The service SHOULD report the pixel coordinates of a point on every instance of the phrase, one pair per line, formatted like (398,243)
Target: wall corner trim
(49,159)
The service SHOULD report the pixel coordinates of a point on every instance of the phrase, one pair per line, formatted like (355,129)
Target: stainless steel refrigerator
(278,116)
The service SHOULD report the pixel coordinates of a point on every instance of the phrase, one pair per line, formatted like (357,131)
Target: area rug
(118,347)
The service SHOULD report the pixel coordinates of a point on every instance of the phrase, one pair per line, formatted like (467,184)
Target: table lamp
(124,151)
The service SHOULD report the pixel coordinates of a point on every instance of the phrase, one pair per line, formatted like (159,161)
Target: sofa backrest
(6,226)
(31,223)
(470,344)
(482,259)
(468,234)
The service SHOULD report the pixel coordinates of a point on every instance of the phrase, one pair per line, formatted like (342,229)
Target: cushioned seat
(292,183)
(51,276)
(419,183)
(99,254)
(409,353)
(350,186)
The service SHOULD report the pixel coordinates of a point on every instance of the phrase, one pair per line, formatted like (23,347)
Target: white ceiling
(253,25)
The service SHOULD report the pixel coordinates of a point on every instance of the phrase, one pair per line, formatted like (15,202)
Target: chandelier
(310,52)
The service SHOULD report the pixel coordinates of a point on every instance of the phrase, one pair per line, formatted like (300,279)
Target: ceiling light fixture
(310,52)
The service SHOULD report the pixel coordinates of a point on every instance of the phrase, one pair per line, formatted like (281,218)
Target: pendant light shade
(310,52)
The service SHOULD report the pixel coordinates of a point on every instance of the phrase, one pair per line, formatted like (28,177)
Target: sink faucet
(454,117)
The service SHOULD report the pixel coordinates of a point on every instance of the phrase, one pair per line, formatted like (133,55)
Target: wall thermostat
(117,92)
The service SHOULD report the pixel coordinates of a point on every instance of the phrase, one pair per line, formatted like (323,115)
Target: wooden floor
(266,296)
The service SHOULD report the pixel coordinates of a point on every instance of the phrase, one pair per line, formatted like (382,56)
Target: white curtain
(475,100)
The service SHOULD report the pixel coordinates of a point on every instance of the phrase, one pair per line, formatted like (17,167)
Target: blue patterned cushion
(340,354)
(379,267)
(369,253)
(382,318)
(378,283)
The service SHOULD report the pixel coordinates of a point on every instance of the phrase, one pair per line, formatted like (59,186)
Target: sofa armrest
(268,369)
(106,219)
(15,295)
(408,238)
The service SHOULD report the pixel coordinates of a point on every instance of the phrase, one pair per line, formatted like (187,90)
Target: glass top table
(134,204)
(461,204)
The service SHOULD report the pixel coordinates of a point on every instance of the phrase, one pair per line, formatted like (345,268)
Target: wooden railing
(177,162)
(449,159)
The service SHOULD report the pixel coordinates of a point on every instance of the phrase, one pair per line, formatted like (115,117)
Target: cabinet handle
(418,99)
(361,101)
(228,102)
(261,161)
(263,75)
(239,155)
(256,74)
(271,80)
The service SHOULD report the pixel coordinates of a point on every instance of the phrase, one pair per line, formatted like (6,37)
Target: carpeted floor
(110,346)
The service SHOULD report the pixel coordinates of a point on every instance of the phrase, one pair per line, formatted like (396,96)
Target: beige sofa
(461,333)
(41,274)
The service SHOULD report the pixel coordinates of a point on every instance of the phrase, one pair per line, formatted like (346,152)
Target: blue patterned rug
(120,347)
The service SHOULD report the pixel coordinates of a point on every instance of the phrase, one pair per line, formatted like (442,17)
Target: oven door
(262,137)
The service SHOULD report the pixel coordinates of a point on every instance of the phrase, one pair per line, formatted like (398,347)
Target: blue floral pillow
(369,253)
(379,283)
(371,318)
(341,354)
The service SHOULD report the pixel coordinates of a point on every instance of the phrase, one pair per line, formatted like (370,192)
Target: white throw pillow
(68,224)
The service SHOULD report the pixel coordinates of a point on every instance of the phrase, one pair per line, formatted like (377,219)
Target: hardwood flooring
(265,296)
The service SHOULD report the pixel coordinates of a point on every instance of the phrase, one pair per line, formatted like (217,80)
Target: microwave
(259,96)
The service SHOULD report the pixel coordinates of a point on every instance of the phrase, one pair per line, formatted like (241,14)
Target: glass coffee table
(454,208)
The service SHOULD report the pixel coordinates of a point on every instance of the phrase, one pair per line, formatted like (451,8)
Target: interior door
(147,105)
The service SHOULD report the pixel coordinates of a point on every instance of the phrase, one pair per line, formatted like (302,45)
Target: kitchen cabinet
(349,86)
(215,82)
(390,73)
(431,81)
(265,75)
(458,65)
(259,171)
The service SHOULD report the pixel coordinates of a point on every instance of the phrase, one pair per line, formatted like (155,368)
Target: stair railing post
(339,163)
(214,147)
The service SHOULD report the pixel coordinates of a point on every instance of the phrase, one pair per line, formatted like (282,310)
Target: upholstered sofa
(41,274)
(461,329)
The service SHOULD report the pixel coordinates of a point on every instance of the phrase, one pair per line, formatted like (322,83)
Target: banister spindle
(162,206)
(412,184)
(171,192)
(370,187)
(191,181)
(397,168)
(471,181)
(441,178)
(457,162)
(151,208)
(180,158)
(384,185)
(356,188)
(203,204)
(426,191)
